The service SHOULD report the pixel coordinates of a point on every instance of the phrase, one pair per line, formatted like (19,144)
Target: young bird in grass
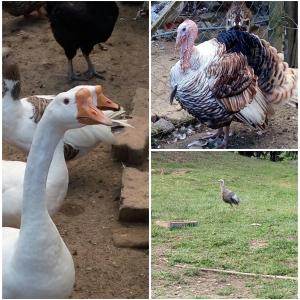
(227,195)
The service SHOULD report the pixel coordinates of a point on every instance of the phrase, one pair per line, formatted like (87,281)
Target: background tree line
(272,155)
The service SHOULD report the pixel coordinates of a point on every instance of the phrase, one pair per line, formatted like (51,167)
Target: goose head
(99,99)
(10,75)
(75,109)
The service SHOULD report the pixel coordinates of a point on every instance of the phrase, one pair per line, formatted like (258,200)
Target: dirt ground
(281,133)
(90,212)
(185,282)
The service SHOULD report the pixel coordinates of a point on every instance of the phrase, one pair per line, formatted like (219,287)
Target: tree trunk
(275,32)
(291,10)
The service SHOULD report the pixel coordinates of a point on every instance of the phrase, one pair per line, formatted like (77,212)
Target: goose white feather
(19,130)
(36,262)
(20,116)
(12,187)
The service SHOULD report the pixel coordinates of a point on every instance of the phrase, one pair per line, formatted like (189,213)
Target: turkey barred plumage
(233,77)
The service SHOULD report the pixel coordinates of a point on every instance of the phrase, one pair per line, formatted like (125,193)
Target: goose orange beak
(88,113)
(103,102)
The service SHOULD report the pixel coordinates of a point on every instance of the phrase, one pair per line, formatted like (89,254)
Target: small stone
(182,136)
(154,118)
(162,126)
(131,237)
(182,129)
(190,131)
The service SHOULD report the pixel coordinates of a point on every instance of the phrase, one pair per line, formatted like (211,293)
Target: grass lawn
(258,236)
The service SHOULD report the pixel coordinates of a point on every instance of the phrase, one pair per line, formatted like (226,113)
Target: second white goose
(21,116)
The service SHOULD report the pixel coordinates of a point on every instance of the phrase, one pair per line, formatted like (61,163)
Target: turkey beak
(105,103)
(88,113)
(178,42)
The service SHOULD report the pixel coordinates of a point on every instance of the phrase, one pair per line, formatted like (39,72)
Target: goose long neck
(58,164)
(45,140)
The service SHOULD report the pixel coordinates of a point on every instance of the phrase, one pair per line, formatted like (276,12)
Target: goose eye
(183,29)
(66,101)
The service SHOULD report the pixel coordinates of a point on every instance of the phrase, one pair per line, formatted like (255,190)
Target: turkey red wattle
(187,33)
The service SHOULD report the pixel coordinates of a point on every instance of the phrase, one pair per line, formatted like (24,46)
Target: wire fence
(274,21)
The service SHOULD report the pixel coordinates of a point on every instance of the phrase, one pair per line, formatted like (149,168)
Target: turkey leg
(224,143)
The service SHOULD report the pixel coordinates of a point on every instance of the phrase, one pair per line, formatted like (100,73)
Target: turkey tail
(278,81)
(275,79)
(293,101)
(257,112)
(235,199)
(173,93)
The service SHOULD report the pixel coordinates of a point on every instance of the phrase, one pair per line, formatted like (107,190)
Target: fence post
(165,13)
(275,32)
(291,10)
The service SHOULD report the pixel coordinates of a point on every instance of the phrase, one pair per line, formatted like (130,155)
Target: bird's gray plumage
(227,195)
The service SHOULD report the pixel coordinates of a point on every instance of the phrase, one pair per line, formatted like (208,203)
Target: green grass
(225,237)
(277,289)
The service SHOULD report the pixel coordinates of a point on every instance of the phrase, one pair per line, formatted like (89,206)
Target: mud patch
(258,244)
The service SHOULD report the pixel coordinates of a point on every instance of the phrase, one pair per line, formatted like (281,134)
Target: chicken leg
(90,73)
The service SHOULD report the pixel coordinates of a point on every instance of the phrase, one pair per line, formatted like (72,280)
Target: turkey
(233,77)
(238,16)
(227,195)
(81,25)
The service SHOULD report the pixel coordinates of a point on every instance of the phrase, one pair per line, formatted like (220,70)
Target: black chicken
(81,25)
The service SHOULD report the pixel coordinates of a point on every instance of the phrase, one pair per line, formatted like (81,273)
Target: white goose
(12,187)
(19,130)
(21,134)
(36,263)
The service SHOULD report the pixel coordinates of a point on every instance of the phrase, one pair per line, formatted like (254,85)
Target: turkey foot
(199,143)
(212,140)
(209,140)
(224,142)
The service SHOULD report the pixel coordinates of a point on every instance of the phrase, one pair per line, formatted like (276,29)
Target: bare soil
(90,212)
(182,281)
(282,131)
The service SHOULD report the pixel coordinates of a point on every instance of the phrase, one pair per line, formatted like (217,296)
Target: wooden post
(165,13)
(291,51)
(275,32)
